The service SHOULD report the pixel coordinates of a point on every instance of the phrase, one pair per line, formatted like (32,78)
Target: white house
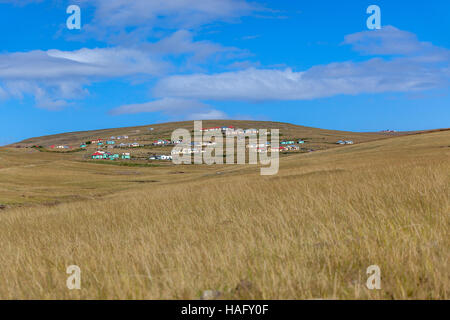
(251,131)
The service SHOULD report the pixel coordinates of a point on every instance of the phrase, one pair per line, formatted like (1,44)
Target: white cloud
(54,76)
(179,109)
(392,41)
(58,69)
(174,14)
(422,66)
(45,74)
(182,42)
(51,96)
(373,76)
(98,63)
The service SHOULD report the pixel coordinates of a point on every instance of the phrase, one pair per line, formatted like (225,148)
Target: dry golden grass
(309,232)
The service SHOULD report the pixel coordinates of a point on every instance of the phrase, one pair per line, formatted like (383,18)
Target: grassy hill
(172,231)
(164,130)
(30,177)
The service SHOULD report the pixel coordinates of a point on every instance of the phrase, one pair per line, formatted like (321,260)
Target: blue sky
(311,63)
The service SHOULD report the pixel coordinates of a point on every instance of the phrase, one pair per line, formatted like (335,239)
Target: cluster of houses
(222,129)
(231,131)
(188,151)
(193,147)
(128,145)
(112,142)
(110,156)
(345,142)
(286,145)
(118,138)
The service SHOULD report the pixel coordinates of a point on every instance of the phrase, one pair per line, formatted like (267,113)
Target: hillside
(174,231)
(316,136)
(57,176)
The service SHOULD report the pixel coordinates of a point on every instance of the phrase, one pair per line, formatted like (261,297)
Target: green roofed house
(110,142)
(126,156)
(287,142)
(83,146)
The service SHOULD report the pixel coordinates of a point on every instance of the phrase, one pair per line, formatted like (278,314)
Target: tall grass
(308,233)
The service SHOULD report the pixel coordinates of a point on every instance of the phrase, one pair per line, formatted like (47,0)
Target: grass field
(174,231)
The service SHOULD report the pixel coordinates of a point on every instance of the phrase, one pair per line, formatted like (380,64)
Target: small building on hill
(345,142)
(251,131)
(293,147)
(98,155)
(161,157)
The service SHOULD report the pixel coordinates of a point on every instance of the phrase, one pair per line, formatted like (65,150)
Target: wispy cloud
(52,73)
(175,109)
(392,41)
(142,16)
(54,76)
(56,64)
(422,66)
